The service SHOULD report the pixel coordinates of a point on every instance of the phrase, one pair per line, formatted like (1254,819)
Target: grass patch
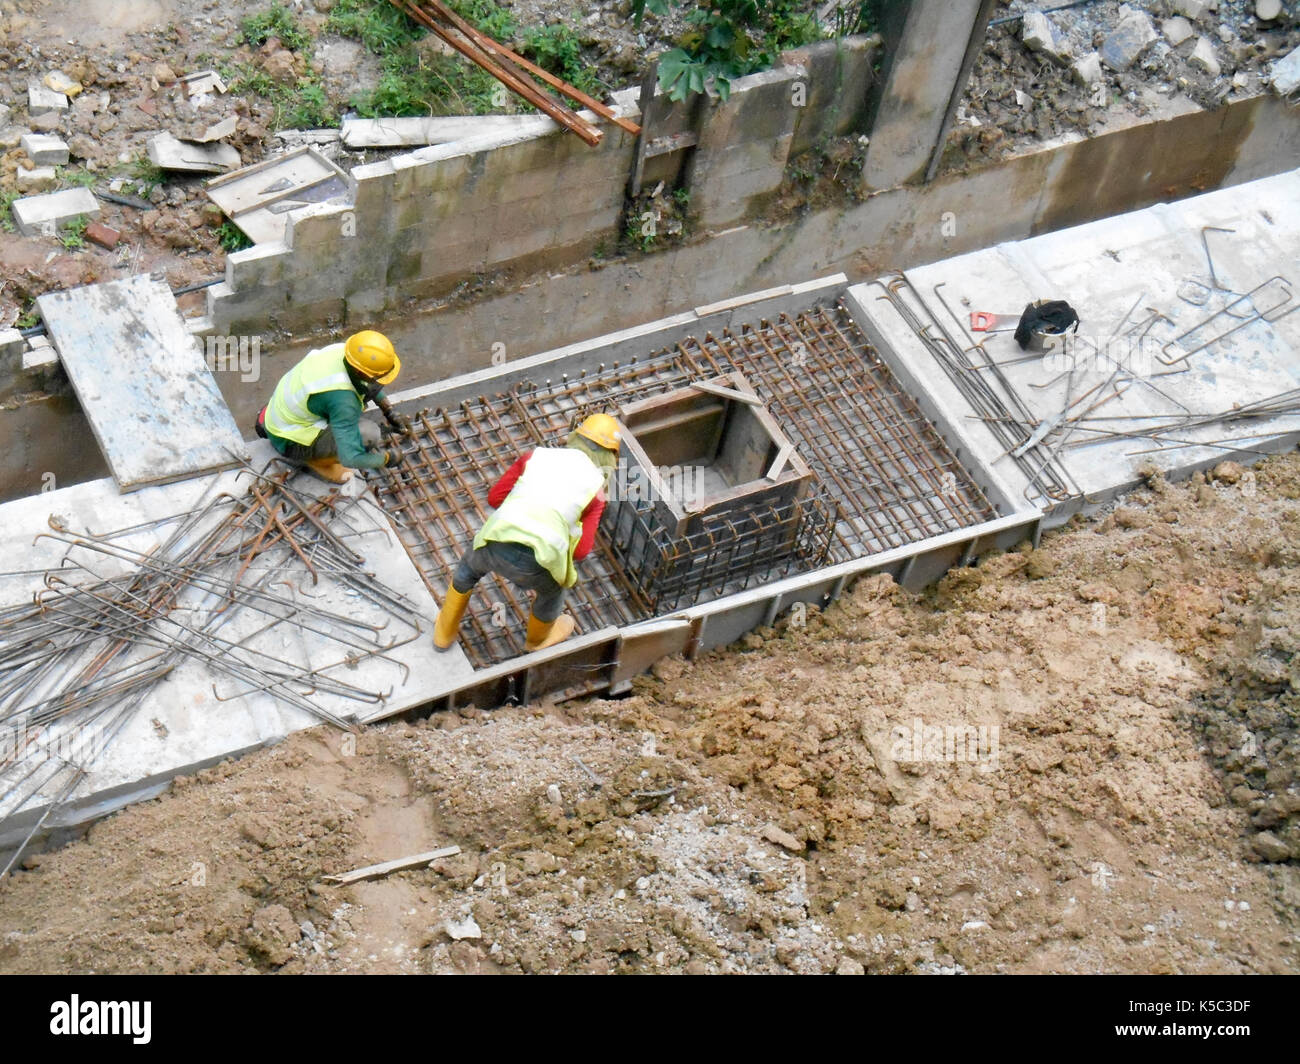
(413,82)
(304,105)
(6,215)
(73,237)
(276,21)
(76,178)
(146,174)
(556,49)
(232,238)
(377,24)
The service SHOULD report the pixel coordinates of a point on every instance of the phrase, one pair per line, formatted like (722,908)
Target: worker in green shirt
(314,415)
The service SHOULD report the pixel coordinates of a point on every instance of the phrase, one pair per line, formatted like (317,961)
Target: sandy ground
(772,807)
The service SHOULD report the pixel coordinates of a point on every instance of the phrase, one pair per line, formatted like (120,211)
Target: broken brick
(100,234)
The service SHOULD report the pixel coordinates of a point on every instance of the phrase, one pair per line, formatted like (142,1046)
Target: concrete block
(41,215)
(722,202)
(581,228)
(519,185)
(513,244)
(411,175)
(373,197)
(263,264)
(45,150)
(455,229)
(1192,9)
(1176,30)
(1132,35)
(38,179)
(419,132)
(1203,58)
(43,101)
(12,344)
(231,310)
(1285,74)
(321,225)
(469,256)
(1039,35)
(40,355)
(1087,69)
(425,208)
(839,78)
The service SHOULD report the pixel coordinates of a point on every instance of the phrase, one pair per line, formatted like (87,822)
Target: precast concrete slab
(144,385)
(1187,352)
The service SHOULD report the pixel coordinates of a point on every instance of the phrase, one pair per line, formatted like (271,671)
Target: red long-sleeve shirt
(590,516)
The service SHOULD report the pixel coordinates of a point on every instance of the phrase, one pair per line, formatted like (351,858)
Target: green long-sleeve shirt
(343,411)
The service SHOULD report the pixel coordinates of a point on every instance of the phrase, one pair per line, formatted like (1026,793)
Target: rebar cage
(885,476)
(729,553)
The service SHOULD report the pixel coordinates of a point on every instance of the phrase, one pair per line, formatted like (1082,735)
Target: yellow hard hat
(602,430)
(371,354)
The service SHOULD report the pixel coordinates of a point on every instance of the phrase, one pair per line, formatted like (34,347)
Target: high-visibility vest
(544,509)
(287,416)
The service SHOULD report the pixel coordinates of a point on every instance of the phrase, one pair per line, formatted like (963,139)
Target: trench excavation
(862,471)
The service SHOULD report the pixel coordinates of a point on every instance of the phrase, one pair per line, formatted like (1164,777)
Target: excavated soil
(1125,799)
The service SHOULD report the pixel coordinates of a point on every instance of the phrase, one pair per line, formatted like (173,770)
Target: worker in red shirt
(548,506)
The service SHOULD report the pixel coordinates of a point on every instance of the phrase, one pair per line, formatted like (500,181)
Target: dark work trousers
(516,563)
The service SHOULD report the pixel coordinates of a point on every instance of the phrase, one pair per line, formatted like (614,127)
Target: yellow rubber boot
(449,617)
(543,634)
(330,469)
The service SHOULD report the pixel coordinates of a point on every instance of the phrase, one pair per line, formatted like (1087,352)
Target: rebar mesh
(886,477)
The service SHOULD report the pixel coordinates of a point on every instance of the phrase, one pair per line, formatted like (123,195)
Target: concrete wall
(419,225)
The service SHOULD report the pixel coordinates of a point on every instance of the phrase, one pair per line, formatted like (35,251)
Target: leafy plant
(497,22)
(74,233)
(147,174)
(232,238)
(275,21)
(28,318)
(717,49)
(82,178)
(556,48)
(377,24)
(304,105)
(311,108)
(726,40)
(6,216)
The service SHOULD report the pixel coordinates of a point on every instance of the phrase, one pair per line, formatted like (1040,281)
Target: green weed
(275,21)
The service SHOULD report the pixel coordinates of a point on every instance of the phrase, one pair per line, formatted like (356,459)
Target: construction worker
(314,415)
(548,506)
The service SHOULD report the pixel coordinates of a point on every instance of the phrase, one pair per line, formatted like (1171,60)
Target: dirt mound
(1040,765)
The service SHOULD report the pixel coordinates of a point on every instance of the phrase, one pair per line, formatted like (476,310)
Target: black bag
(1049,316)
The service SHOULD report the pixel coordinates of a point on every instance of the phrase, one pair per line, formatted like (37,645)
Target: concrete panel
(154,427)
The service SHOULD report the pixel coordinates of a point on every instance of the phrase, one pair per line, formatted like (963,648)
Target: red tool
(984,321)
